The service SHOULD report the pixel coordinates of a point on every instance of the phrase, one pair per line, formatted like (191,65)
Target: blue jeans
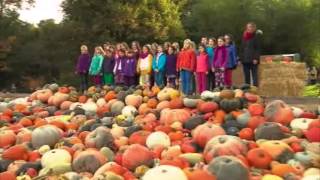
(159,78)
(186,81)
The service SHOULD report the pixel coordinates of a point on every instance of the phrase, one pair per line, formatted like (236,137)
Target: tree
(9,5)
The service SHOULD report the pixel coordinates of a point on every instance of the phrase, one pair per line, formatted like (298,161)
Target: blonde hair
(84,48)
(99,48)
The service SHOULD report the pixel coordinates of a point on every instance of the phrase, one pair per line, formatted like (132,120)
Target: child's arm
(138,65)
(101,59)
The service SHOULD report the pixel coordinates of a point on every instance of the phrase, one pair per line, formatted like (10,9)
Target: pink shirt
(202,64)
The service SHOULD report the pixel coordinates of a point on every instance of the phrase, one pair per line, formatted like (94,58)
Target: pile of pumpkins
(119,133)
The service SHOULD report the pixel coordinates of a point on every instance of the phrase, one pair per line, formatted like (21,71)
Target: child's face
(145,50)
(186,45)
(108,54)
(220,42)
(130,54)
(121,54)
(204,40)
(250,28)
(211,43)
(160,49)
(170,50)
(84,51)
(227,39)
(201,49)
(97,51)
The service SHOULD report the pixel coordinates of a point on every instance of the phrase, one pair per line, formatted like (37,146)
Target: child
(144,66)
(135,46)
(210,51)
(119,66)
(96,66)
(129,69)
(82,67)
(231,59)
(166,46)
(186,65)
(108,65)
(158,67)
(219,62)
(176,46)
(202,65)
(171,66)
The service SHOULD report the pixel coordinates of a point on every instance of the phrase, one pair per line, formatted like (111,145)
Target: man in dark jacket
(250,53)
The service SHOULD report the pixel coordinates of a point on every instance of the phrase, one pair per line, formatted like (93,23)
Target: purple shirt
(171,64)
(119,65)
(83,64)
(129,68)
(220,57)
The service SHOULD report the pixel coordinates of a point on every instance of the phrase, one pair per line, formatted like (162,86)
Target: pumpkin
(229,105)
(207,107)
(244,118)
(301,123)
(168,116)
(279,150)
(190,102)
(228,167)
(139,137)
(117,107)
(176,161)
(255,121)
(144,109)
(44,95)
(176,103)
(110,167)
(55,157)
(282,169)
(278,111)
(45,135)
(8,175)
(136,155)
(224,145)
(246,133)
(65,105)
(259,158)
(25,135)
(270,131)
(196,174)
(152,103)
(7,138)
(133,100)
(88,161)
(158,139)
(256,109)
(203,133)
(227,94)
(100,137)
(193,122)
(208,95)
(163,105)
(82,99)
(58,98)
(155,89)
(129,111)
(167,94)
(166,172)
(90,106)
(16,152)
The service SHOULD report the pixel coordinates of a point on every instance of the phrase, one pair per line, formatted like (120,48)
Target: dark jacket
(129,67)
(83,64)
(108,65)
(171,65)
(250,49)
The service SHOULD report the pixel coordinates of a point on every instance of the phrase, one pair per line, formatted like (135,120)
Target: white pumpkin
(297,111)
(129,111)
(55,157)
(158,139)
(165,172)
(74,105)
(301,123)
(90,106)
(101,102)
(3,106)
(209,94)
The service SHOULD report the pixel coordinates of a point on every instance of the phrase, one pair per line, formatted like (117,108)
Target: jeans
(250,69)
(83,82)
(186,81)
(159,78)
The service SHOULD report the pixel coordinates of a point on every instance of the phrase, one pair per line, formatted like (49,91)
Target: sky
(42,9)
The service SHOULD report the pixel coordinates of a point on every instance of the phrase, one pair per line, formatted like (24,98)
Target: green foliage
(9,5)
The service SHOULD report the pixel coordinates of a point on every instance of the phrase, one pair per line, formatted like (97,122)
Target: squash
(55,157)
(229,105)
(224,145)
(90,106)
(152,103)
(228,167)
(301,123)
(58,98)
(100,137)
(278,111)
(110,95)
(193,122)
(133,100)
(45,135)
(269,131)
(167,94)
(166,172)
(117,107)
(7,138)
(16,152)
(176,103)
(163,105)
(44,95)
(256,109)
(190,102)
(136,155)
(203,133)
(197,174)
(227,94)
(88,161)
(206,95)
(158,139)
(168,116)
(207,107)
(279,150)
(129,111)
(139,137)
(259,158)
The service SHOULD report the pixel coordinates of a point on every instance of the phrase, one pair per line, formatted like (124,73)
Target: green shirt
(96,65)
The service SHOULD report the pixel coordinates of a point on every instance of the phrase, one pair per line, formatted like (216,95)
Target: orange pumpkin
(176,103)
(137,155)
(82,99)
(139,137)
(207,107)
(255,121)
(204,132)
(169,116)
(25,122)
(40,122)
(282,169)
(65,105)
(176,136)
(23,136)
(259,158)
(278,111)
(8,175)
(144,109)
(218,117)
(44,95)
(246,133)
(163,105)
(7,138)
(65,90)
(256,109)
(58,124)
(155,89)
(198,174)
(152,103)
(110,95)
(16,152)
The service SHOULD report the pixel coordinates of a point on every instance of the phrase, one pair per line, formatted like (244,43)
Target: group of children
(195,70)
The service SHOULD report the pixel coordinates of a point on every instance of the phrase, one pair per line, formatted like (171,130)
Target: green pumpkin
(73,96)
(229,105)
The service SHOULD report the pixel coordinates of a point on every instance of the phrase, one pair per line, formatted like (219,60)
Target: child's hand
(207,72)
(222,69)
(212,69)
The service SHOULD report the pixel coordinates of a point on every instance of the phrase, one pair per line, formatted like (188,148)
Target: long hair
(231,38)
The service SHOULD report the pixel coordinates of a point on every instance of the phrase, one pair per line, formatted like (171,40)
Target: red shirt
(186,60)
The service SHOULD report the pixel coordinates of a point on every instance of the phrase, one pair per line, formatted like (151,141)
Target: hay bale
(282,79)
